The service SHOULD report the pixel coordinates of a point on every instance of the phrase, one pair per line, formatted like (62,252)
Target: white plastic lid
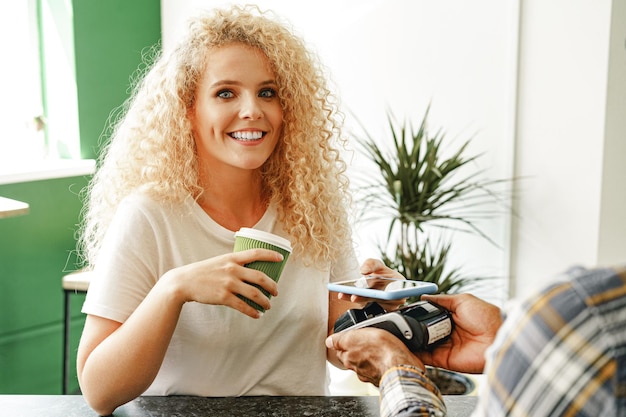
(265,237)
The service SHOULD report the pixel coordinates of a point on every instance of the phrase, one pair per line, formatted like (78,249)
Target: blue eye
(267,93)
(225,94)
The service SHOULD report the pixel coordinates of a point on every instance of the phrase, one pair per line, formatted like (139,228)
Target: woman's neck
(234,204)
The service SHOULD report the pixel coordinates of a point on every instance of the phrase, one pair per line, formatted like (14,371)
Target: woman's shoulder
(149,206)
(146,201)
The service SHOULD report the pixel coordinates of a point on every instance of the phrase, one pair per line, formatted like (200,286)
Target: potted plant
(424,186)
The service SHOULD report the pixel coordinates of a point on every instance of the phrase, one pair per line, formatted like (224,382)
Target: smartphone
(383,288)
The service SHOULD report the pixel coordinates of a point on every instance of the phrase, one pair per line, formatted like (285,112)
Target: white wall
(612,241)
(570,144)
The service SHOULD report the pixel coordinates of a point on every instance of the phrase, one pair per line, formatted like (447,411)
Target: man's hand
(476,323)
(370,352)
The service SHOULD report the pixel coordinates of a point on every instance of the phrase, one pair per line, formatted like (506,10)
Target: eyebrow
(232,82)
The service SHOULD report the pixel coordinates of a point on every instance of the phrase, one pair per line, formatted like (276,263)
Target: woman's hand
(221,279)
(117,362)
(378,268)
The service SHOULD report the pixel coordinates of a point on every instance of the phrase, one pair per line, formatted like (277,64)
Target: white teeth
(247,135)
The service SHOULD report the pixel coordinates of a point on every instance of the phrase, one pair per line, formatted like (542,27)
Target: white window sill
(45,170)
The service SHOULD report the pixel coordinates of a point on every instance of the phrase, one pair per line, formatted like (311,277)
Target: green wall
(37,249)
(110,37)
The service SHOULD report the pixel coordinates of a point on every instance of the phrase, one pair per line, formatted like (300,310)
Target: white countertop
(10,208)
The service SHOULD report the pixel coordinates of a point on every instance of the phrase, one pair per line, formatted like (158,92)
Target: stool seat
(72,283)
(77,281)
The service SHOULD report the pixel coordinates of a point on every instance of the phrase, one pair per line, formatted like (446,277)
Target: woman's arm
(118,361)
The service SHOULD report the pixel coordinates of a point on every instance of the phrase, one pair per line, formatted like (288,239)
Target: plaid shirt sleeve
(563,352)
(405,391)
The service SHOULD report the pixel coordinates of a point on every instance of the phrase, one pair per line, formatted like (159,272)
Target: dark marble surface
(75,406)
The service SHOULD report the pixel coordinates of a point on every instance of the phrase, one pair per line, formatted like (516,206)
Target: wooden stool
(73,283)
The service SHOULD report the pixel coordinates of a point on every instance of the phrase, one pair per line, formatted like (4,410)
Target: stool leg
(66,343)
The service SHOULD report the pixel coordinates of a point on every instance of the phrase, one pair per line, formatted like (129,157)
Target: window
(59,85)
(21,110)
(39,110)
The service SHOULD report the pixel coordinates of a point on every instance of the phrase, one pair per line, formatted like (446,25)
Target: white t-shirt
(215,350)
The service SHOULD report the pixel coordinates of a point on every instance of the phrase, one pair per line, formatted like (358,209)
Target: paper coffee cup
(247,238)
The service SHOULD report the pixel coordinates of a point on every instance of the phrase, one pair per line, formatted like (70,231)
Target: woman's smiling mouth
(247,135)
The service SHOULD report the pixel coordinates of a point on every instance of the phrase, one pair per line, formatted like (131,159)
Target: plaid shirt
(562,353)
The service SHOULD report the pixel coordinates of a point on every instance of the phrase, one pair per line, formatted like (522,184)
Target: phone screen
(383,288)
(383,284)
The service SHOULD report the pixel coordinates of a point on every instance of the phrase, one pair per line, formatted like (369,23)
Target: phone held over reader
(383,288)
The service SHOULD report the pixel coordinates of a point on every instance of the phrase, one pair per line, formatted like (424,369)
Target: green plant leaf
(423,184)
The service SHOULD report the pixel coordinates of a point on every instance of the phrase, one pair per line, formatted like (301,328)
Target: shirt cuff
(405,390)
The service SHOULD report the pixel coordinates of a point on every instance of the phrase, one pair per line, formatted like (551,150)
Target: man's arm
(556,352)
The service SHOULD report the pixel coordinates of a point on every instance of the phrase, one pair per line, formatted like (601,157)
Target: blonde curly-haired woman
(233,128)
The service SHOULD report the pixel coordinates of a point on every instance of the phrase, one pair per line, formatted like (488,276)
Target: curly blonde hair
(152,148)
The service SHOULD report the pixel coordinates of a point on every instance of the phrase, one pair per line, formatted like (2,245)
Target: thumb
(332,341)
(370,266)
(444,300)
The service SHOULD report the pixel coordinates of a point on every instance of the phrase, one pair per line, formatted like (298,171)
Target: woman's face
(237,117)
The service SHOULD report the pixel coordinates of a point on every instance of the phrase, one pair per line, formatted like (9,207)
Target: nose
(250,108)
